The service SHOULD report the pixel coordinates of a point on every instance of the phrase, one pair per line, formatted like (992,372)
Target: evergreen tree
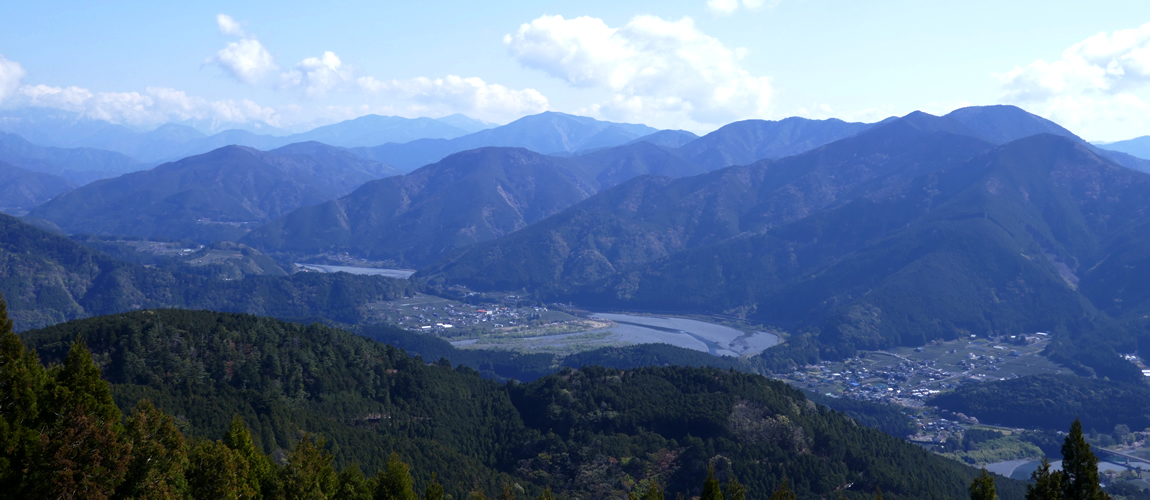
(434,490)
(654,492)
(783,492)
(734,490)
(508,492)
(261,472)
(218,472)
(394,481)
(81,453)
(982,488)
(1047,484)
(159,455)
(711,489)
(353,485)
(22,380)
(546,495)
(309,474)
(877,493)
(1079,468)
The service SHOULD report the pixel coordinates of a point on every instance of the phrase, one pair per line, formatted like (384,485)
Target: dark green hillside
(650,218)
(414,219)
(22,189)
(214,196)
(367,399)
(589,432)
(1042,400)
(997,245)
(49,279)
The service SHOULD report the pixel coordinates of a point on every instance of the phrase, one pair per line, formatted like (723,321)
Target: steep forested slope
(587,432)
(48,279)
(22,189)
(413,219)
(649,218)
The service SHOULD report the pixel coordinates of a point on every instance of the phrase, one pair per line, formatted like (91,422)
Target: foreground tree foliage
(267,409)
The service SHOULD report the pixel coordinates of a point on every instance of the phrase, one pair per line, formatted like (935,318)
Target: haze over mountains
(214,196)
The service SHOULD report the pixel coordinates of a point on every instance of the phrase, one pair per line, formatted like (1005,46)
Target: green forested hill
(49,279)
(1048,401)
(415,218)
(213,196)
(588,432)
(650,218)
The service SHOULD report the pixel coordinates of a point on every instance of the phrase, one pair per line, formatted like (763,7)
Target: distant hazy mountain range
(215,196)
(1138,147)
(174,141)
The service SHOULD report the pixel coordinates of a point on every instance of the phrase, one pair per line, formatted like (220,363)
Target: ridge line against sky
(692,65)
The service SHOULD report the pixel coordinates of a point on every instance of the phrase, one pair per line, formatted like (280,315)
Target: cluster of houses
(441,319)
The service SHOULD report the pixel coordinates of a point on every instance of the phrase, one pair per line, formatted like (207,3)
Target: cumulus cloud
(246,59)
(154,106)
(316,76)
(454,94)
(11,72)
(1094,80)
(229,26)
(728,7)
(661,72)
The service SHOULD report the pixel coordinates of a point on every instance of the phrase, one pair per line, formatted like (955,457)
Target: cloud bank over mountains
(663,73)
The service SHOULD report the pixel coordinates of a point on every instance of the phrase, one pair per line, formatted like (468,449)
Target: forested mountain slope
(49,279)
(414,219)
(213,196)
(590,432)
(650,217)
(22,189)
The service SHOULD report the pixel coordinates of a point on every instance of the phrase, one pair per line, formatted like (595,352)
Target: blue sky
(692,64)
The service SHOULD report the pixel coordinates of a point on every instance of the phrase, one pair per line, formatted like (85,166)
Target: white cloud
(246,60)
(229,26)
(11,72)
(454,94)
(1094,81)
(317,76)
(155,106)
(661,72)
(728,7)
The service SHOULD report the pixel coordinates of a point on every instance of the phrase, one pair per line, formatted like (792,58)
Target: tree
(261,472)
(1047,484)
(434,490)
(1079,468)
(353,485)
(711,489)
(394,481)
(80,453)
(783,492)
(982,488)
(159,455)
(654,492)
(508,493)
(22,380)
(309,473)
(877,493)
(546,495)
(216,471)
(734,490)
